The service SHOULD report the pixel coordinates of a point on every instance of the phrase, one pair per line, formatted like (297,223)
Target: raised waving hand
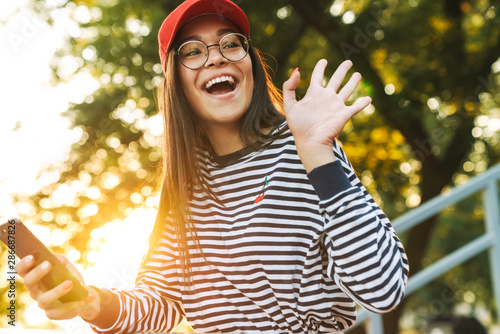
(319,117)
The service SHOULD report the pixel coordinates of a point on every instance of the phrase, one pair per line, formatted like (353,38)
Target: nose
(215,58)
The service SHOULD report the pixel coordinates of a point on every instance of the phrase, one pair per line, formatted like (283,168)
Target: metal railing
(487,183)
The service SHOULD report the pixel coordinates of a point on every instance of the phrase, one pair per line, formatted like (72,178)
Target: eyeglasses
(194,54)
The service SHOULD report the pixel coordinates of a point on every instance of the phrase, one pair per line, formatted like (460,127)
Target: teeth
(219,80)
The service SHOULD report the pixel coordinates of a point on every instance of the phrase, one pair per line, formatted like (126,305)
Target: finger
(319,72)
(32,279)
(24,266)
(289,87)
(339,75)
(359,105)
(66,310)
(349,87)
(48,299)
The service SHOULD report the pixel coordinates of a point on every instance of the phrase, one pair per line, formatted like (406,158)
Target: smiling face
(219,92)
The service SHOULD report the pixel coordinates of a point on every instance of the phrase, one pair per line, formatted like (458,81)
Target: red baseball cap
(190,9)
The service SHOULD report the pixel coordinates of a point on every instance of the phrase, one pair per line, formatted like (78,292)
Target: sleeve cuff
(329,180)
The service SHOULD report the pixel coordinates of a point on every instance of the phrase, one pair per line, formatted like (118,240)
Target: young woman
(263,225)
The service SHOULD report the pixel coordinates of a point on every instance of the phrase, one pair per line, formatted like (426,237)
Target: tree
(431,68)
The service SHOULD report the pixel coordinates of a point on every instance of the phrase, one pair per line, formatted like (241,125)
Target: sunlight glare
(82,14)
(63,195)
(31,123)
(128,238)
(88,210)
(35,316)
(41,232)
(337,8)
(110,180)
(349,17)
(155,124)
(47,216)
(73,254)
(93,193)
(58,237)
(7,8)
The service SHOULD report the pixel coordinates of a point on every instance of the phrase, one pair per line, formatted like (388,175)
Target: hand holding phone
(18,238)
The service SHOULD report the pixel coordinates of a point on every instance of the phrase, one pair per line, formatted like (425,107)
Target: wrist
(313,156)
(106,309)
(92,310)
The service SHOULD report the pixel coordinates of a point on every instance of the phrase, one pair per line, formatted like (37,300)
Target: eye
(230,42)
(192,49)
(193,52)
(231,45)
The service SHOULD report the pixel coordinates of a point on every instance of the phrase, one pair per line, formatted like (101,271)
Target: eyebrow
(219,33)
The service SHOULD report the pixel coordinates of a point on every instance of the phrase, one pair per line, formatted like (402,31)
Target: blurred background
(80,137)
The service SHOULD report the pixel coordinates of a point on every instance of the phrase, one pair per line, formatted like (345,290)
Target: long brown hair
(183,137)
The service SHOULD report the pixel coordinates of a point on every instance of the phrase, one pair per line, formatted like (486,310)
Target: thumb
(289,87)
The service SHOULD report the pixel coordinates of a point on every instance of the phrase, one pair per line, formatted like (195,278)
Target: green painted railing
(487,183)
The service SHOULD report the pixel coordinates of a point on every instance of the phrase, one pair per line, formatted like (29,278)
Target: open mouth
(221,85)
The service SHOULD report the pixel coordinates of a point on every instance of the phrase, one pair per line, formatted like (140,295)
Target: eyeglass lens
(194,54)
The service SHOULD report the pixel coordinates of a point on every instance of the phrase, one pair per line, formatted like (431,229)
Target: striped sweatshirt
(282,251)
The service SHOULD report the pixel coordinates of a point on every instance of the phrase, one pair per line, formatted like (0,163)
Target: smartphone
(19,239)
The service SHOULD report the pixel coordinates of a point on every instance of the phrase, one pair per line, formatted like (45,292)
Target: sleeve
(366,258)
(153,305)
